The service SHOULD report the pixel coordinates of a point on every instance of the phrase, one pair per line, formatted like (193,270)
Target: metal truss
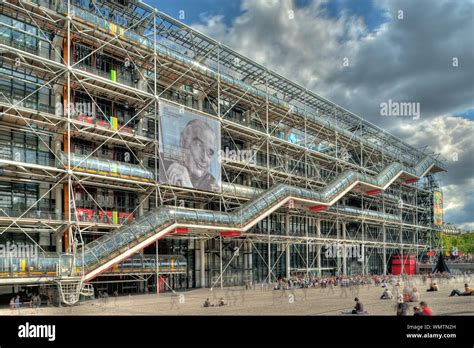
(329,138)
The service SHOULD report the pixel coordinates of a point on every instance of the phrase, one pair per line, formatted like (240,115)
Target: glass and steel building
(132,144)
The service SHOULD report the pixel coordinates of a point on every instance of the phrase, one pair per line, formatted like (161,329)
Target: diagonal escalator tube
(109,248)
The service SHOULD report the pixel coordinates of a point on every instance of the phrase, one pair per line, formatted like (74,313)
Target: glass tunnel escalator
(123,243)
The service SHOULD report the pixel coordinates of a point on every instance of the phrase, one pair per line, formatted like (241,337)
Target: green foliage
(468,240)
(464,242)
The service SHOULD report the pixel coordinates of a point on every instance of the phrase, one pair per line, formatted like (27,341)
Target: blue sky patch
(195,11)
(371,14)
(469,114)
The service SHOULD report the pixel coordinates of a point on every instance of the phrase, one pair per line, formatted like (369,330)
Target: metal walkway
(103,253)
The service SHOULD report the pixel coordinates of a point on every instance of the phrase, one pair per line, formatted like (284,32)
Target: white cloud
(408,60)
(452,137)
(308,41)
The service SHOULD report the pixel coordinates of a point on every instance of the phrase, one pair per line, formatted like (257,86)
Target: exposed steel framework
(302,140)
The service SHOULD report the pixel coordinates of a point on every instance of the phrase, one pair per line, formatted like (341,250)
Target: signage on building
(189,149)
(438,208)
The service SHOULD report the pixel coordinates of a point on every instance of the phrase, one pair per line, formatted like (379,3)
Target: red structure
(318,207)
(405,262)
(411,181)
(181,230)
(161,284)
(229,234)
(374,192)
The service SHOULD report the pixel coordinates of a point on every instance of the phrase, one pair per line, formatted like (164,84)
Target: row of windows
(293,166)
(275,224)
(107,199)
(83,104)
(15,198)
(26,37)
(179,97)
(105,63)
(260,261)
(20,88)
(30,148)
(85,147)
(26,147)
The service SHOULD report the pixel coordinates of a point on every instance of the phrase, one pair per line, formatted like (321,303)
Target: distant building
(452,229)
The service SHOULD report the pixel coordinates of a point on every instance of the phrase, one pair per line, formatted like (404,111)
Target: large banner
(438,208)
(189,148)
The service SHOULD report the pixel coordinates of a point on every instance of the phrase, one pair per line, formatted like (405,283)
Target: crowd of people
(400,288)
(403,290)
(410,294)
(464,258)
(303,281)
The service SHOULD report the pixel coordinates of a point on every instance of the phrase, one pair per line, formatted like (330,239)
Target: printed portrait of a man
(189,145)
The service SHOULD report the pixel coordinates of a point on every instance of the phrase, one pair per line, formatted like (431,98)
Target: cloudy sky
(408,51)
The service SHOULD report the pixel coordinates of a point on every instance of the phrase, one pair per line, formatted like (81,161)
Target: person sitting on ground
(426,310)
(417,311)
(359,307)
(402,306)
(387,295)
(433,287)
(414,296)
(207,303)
(221,302)
(467,291)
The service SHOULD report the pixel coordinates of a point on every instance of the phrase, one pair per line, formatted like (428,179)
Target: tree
(468,242)
(464,242)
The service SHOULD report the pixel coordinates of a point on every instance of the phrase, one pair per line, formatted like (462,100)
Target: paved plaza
(261,300)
